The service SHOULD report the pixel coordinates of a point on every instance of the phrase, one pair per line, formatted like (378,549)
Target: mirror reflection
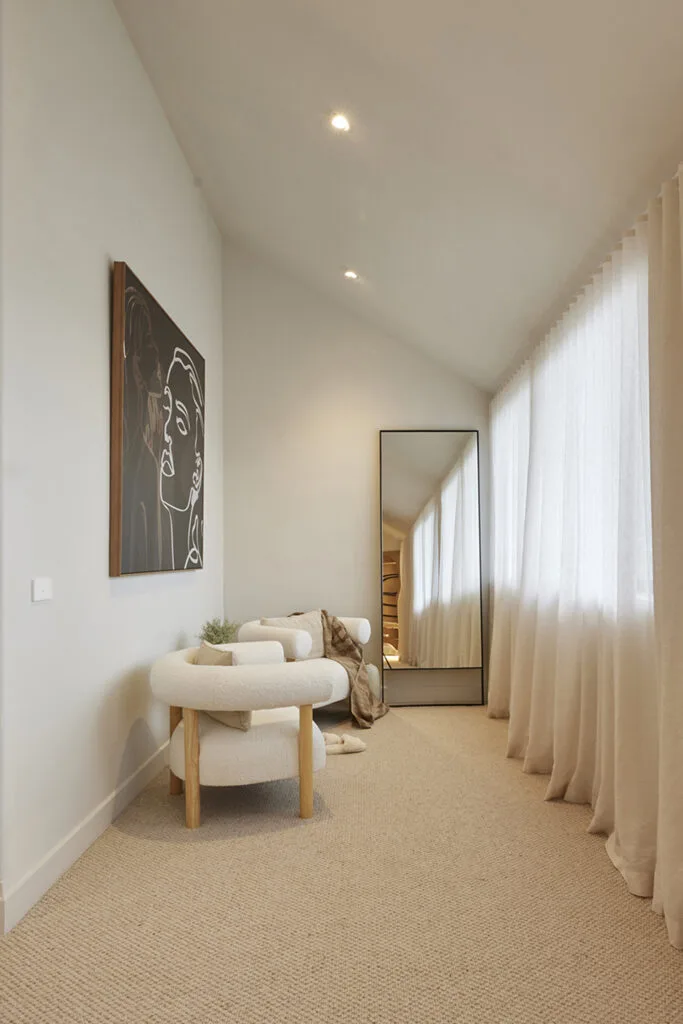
(431,582)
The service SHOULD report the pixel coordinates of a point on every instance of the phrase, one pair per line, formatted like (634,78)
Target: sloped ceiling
(414,463)
(498,148)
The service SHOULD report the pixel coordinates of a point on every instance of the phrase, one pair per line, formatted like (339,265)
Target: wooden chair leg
(192,800)
(306,761)
(176,784)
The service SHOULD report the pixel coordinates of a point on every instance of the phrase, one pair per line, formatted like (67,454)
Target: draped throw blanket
(340,646)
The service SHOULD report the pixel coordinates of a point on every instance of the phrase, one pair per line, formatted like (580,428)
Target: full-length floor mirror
(431,567)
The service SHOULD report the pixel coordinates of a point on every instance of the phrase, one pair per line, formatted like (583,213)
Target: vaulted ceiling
(497,148)
(414,463)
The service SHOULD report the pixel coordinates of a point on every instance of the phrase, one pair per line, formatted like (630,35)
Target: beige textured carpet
(433,886)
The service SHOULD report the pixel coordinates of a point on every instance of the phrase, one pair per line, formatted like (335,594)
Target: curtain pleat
(587,552)
(665,224)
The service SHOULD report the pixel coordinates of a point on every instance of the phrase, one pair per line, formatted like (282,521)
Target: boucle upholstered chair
(283,740)
(297,645)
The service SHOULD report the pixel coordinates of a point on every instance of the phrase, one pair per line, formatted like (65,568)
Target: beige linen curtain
(665,229)
(587,642)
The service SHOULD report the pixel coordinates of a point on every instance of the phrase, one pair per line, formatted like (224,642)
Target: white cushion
(296,643)
(264,652)
(228,757)
(312,622)
(359,629)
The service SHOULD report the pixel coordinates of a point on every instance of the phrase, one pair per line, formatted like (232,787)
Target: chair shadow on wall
(128,699)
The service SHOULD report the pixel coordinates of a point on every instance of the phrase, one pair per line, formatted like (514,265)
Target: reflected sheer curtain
(586,649)
(439,604)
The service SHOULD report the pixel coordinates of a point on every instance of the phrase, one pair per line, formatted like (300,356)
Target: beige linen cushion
(210,655)
(312,622)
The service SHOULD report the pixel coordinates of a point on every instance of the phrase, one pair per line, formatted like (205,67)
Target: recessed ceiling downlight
(340,123)
(351,275)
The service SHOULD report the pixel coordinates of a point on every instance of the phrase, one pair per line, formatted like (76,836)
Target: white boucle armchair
(297,645)
(283,740)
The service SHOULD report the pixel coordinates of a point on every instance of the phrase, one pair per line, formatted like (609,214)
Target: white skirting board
(16,902)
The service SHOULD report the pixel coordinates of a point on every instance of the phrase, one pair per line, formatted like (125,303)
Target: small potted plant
(219,631)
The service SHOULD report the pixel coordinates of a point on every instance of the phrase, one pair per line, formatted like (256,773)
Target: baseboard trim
(17,901)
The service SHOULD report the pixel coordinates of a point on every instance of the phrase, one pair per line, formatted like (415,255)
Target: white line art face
(182,469)
(162,463)
(181,459)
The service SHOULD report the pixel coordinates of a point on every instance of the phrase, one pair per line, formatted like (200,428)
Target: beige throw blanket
(340,646)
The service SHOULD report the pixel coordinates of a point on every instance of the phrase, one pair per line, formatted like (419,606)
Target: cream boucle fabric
(262,652)
(359,629)
(339,678)
(212,654)
(375,680)
(340,684)
(296,643)
(228,757)
(432,886)
(299,646)
(312,622)
(177,680)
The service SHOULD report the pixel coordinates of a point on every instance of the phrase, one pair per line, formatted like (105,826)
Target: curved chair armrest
(177,681)
(258,652)
(359,629)
(297,643)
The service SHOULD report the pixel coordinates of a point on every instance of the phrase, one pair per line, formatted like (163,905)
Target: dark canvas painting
(157,442)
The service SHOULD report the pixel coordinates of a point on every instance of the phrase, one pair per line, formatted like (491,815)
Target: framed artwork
(157,437)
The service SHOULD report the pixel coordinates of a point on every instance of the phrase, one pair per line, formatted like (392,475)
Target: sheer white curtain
(439,606)
(665,227)
(574,654)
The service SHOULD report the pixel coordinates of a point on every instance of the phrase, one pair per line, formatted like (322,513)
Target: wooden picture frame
(156,513)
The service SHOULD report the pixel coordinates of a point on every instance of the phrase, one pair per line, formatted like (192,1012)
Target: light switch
(41,589)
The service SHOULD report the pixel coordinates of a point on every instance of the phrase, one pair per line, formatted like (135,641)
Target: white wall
(307,389)
(91,173)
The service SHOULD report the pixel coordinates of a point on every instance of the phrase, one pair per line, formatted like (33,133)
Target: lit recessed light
(340,123)
(351,275)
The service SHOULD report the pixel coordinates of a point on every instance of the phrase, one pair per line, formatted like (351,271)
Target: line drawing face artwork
(158,416)
(182,459)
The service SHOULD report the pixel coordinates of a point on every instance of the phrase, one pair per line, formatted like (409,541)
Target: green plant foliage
(219,631)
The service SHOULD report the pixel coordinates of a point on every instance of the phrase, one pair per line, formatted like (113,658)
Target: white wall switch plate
(41,589)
